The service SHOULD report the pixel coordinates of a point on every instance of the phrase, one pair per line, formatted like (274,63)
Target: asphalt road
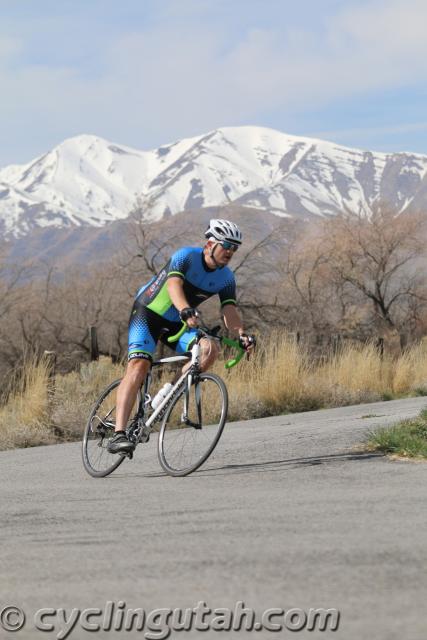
(286,514)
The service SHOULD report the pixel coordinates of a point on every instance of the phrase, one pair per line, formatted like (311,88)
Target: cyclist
(192,275)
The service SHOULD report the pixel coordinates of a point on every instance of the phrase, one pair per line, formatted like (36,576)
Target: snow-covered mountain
(89,181)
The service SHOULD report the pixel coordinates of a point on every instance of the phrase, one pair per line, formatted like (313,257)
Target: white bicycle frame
(195,361)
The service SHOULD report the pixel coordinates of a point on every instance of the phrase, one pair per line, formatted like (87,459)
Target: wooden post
(403,339)
(296,336)
(94,350)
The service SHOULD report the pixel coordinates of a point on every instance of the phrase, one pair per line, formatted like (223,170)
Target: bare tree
(12,277)
(147,245)
(378,257)
(261,278)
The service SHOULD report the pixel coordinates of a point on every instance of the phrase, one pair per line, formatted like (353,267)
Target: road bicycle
(191,416)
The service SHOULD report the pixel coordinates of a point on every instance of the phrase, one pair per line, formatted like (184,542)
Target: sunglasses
(229,246)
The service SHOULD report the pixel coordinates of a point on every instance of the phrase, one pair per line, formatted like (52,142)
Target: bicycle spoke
(183,447)
(97,460)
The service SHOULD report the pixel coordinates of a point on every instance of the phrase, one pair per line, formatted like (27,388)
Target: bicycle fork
(197,396)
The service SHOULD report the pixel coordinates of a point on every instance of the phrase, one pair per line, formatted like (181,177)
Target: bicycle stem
(228,341)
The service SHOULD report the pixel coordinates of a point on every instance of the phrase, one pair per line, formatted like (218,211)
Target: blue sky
(148,72)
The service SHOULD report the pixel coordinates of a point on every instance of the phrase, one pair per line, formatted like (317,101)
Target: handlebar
(228,341)
(177,336)
(235,345)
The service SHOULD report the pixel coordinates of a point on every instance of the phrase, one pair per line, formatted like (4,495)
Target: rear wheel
(97,460)
(184,445)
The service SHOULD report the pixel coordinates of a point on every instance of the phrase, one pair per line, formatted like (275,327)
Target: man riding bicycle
(192,275)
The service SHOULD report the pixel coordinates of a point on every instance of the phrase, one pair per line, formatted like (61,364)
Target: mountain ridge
(89,181)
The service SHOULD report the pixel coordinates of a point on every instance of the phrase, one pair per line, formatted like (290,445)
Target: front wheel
(187,438)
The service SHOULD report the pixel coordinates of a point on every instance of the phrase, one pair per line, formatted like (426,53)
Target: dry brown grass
(275,380)
(354,374)
(410,371)
(76,392)
(36,414)
(24,419)
(281,377)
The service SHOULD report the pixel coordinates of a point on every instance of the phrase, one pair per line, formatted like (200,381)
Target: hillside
(89,182)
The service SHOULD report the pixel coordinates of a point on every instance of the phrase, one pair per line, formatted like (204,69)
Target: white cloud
(185,74)
(9,47)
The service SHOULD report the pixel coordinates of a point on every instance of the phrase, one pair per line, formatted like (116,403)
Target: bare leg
(128,390)
(208,354)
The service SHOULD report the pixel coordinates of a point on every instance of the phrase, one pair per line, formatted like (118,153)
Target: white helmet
(223,230)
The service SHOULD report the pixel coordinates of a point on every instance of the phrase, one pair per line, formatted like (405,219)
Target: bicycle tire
(182,448)
(97,460)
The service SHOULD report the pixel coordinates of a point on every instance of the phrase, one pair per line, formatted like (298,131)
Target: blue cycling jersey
(199,283)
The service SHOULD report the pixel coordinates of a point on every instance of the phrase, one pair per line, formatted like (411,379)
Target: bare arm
(176,292)
(233,322)
(232,319)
